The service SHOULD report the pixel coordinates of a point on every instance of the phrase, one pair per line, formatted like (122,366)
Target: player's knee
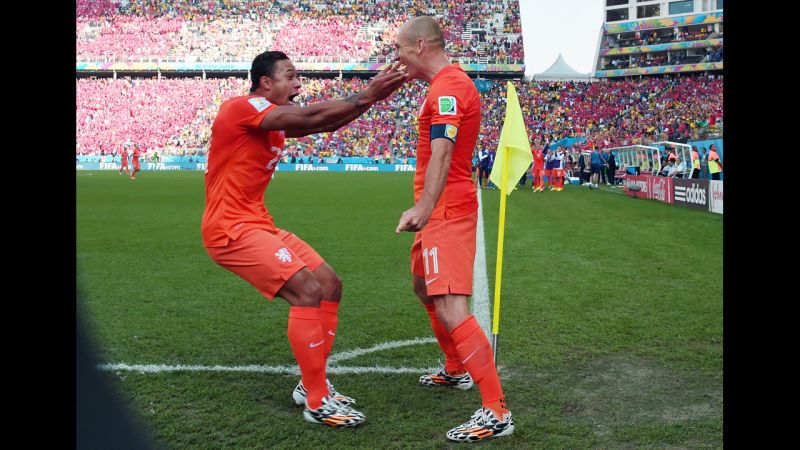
(310,294)
(451,312)
(447,318)
(333,287)
(421,290)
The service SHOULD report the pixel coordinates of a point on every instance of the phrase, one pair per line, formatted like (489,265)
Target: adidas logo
(691,194)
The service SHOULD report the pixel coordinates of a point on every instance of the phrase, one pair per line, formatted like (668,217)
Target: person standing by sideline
(135,161)
(695,163)
(582,168)
(123,164)
(714,163)
(612,168)
(598,165)
(537,168)
(483,168)
(444,218)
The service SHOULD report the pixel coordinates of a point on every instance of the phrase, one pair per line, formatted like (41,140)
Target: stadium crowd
(173,115)
(153,114)
(663,36)
(178,113)
(310,30)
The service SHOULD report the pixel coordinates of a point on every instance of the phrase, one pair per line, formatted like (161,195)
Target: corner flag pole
(513,144)
(499,266)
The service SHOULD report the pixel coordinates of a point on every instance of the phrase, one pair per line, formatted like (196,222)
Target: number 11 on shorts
(433,252)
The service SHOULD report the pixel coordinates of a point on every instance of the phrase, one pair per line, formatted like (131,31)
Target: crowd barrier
(692,193)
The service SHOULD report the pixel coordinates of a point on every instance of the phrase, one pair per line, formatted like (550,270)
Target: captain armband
(444,130)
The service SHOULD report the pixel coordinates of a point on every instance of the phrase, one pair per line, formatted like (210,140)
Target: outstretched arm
(335,124)
(299,121)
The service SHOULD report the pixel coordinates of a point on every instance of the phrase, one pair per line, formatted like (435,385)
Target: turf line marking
(350,354)
(293,370)
(480,282)
(288,370)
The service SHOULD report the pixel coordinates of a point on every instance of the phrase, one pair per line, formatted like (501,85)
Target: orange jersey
(241,160)
(135,157)
(452,99)
(538,159)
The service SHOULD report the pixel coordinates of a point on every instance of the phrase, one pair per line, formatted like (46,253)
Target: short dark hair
(264,64)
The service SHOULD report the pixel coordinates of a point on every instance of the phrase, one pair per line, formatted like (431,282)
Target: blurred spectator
(678,169)
(667,169)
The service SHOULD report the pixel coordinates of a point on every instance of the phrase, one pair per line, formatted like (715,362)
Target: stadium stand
(177,113)
(173,115)
(315,31)
(660,38)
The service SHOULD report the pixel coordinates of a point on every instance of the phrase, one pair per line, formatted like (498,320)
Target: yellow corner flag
(511,161)
(513,150)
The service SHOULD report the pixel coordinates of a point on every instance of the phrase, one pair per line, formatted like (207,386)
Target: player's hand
(386,82)
(413,219)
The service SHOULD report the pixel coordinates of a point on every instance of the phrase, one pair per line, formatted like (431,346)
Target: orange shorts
(266,260)
(444,254)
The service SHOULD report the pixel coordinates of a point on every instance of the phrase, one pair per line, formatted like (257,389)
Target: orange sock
(452,362)
(476,354)
(329,316)
(305,338)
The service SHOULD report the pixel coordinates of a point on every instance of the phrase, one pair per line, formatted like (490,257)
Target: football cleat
(482,425)
(442,378)
(334,414)
(300,392)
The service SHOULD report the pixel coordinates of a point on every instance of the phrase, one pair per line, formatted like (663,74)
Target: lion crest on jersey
(284,255)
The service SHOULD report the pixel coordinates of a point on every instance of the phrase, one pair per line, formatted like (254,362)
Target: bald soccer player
(444,218)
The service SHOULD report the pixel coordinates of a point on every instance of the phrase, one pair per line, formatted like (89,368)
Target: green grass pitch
(610,333)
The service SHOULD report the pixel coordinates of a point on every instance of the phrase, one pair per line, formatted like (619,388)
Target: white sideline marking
(291,370)
(350,354)
(480,282)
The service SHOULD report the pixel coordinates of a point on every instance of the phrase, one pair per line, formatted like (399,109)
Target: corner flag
(511,161)
(513,150)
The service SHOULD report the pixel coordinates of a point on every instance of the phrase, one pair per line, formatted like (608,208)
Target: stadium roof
(561,71)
